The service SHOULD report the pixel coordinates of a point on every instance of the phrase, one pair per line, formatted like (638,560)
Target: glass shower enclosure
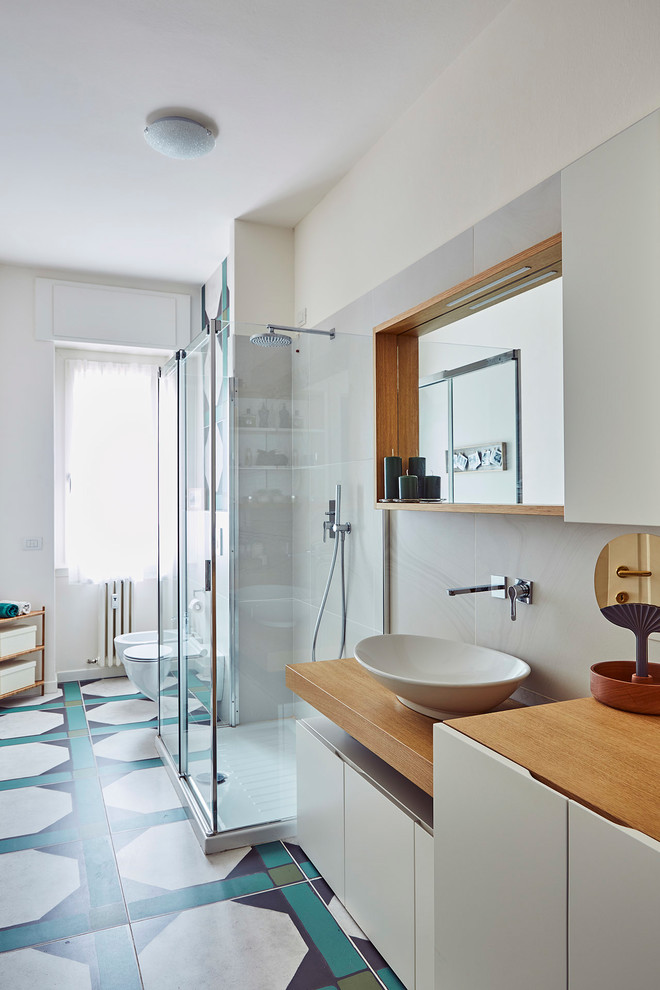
(246,456)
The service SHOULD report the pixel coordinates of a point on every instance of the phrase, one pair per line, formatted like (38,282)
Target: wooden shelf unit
(35,613)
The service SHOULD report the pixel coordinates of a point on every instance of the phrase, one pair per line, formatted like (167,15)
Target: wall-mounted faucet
(519,592)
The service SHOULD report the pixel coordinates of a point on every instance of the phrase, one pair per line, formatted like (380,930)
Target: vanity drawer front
(613,904)
(321,807)
(380,873)
(500,872)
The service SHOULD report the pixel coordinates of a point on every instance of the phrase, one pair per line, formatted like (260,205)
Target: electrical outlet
(33,543)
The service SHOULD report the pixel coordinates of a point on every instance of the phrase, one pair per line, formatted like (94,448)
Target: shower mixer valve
(331,526)
(328,525)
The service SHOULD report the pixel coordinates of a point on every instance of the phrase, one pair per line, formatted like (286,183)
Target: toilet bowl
(138,652)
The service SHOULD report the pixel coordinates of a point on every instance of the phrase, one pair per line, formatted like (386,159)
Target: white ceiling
(298,90)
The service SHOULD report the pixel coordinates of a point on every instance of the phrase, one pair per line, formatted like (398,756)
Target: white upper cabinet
(611,259)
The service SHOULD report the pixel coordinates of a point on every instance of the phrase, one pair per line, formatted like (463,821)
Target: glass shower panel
(168,552)
(196,708)
(264,436)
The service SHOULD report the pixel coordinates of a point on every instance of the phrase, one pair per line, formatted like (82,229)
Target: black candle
(417,466)
(393,469)
(408,487)
(432,486)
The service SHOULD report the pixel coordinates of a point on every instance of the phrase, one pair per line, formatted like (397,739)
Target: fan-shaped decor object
(627,584)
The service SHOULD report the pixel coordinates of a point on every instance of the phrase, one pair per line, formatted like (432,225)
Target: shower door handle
(207,575)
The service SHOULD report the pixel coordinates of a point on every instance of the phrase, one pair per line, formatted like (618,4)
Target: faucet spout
(477,588)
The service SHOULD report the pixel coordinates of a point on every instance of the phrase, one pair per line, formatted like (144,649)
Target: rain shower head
(274,339)
(270,339)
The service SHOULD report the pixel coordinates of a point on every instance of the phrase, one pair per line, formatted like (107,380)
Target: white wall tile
(563,632)
(430,552)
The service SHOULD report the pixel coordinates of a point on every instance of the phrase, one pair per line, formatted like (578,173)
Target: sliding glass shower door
(194,579)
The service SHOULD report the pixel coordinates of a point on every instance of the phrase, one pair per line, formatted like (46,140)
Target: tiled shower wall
(563,632)
(333,391)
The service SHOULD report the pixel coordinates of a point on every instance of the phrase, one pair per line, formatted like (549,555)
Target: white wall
(26,454)
(27,459)
(261,273)
(541,86)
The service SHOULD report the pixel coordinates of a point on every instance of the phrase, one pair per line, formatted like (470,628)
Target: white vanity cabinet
(611,260)
(380,872)
(534,889)
(321,806)
(500,873)
(367,830)
(613,905)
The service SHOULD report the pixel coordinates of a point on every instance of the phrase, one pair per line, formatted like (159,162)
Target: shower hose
(340,530)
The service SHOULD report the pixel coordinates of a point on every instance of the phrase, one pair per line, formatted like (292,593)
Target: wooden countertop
(344,692)
(603,758)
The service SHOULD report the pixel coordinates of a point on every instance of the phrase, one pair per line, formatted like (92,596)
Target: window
(110,422)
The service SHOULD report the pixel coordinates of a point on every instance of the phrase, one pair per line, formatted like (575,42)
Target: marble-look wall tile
(528,220)
(430,552)
(362,546)
(563,632)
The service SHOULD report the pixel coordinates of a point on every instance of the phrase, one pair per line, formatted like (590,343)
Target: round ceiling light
(179,137)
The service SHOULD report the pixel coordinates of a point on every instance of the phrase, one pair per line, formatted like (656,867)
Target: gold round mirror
(628,570)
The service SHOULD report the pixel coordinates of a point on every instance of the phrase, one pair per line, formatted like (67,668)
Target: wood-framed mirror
(491,350)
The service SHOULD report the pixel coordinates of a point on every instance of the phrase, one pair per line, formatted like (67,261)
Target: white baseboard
(90,672)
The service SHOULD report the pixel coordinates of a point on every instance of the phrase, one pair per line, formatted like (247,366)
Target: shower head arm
(272,327)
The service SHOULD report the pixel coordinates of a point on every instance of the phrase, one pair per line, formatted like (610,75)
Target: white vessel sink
(439,677)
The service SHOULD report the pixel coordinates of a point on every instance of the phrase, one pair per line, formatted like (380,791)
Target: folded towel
(23,607)
(8,610)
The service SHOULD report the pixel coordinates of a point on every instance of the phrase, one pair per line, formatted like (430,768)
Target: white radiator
(115,617)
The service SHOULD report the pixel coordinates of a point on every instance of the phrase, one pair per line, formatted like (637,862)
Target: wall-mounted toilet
(138,652)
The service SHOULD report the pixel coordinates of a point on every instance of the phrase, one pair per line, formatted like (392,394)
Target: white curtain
(111,470)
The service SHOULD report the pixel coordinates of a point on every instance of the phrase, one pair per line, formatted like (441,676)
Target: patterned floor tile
(108,687)
(232,944)
(124,712)
(301,859)
(26,761)
(59,892)
(142,797)
(348,925)
(13,725)
(33,700)
(164,870)
(104,960)
(37,816)
(129,746)
(32,723)
(90,823)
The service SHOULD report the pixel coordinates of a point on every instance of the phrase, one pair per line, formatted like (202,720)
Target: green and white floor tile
(104,886)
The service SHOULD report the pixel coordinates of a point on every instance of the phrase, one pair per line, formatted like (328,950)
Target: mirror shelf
(511,510)
(397,367)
